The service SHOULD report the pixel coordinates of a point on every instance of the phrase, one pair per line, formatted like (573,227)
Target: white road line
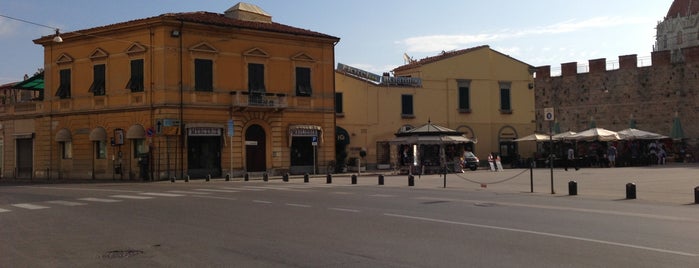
(544,234)
(298,205)
(382,195)
(188,192)
(103,200)
(4,210)
(132,197)
(29,206)
(261,202)
(342,193)
(272,188)
(345,210)
(66,203)
(162,194)
(217,190)
(242,189)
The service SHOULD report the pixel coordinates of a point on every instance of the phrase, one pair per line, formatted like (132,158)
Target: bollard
(411,180)
(630,191)
(208,177)
(186,179)
(265,177)
(354,179)
(572,188)
(172,179)
(305,178)
(285,177)
(380,179)
(246,177)
(228,177)
(329,178)
(696,195)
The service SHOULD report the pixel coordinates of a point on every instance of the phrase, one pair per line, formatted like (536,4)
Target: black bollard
(246,177)
(228,177)
(305,178)
(186,178)
(572,188)
(696,195)
(329,178)
(411,180)
(172,179)
(380,179)
(265,177)
(208,178)
(285,178)
(354,179)
(630,191)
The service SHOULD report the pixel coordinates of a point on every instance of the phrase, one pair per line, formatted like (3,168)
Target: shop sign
(359,73)
(204,131)
(304,132)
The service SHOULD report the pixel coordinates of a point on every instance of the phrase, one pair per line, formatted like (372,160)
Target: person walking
(491,161)
(570,159)
(498,162)
(611,155)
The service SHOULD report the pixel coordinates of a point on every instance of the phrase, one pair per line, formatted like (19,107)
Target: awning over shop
(98,134)
(136,132)
(63,135)
(430,134)
(305,131)
(35,82)
(342,136)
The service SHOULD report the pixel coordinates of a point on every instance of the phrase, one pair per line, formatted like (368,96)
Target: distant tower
(679,28)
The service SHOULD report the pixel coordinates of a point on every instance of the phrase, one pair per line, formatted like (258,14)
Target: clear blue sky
(375,34)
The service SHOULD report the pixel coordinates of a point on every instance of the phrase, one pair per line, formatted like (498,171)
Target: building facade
(679,29)
(181,94)
(480,92)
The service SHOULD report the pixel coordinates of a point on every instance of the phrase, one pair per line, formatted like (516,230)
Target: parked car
(471,161)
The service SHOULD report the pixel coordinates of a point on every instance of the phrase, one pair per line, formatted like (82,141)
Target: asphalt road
(294,224)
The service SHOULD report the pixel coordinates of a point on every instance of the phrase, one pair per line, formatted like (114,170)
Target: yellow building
(161,96)
(481,92)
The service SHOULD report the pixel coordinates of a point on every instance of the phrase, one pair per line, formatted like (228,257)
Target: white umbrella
(563,136)
(637,134)
(599,134)
(534,137)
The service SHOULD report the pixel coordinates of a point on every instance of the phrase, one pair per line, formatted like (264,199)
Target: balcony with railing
(259,101)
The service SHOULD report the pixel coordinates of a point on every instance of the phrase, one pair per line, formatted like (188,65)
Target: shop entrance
(204,152)
(25,158)
(255,149)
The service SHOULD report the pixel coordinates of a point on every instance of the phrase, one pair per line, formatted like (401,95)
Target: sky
(374,34)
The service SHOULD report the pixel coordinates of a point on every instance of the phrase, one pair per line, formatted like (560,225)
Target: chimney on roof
(248,12)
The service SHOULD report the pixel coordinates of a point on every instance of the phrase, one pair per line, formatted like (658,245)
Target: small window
(505,102)
(464,97)
(98,80)
(135,83)
(680,38)
(338,103)
(256,77)
(100,149)
(67,148)
(203,75)
(407,106)
(303,82)
(63,91)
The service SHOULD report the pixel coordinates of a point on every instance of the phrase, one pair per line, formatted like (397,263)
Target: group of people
(495,162)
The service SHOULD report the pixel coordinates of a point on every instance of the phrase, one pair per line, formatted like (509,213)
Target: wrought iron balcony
(246,100)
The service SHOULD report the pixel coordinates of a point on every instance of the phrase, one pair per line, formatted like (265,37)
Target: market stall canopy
(637,134)
(564,136)
(430,134)
(535,137)
(598,134)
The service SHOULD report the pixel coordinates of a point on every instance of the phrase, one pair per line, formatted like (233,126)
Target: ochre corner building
(181,94)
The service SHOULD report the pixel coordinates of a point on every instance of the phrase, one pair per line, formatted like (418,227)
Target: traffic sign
(548,114)
(314,141)
(150,132)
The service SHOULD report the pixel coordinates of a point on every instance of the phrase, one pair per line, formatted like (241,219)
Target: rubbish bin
(630,191)
(572,188)
(696,195)
(411,180)
(380,179)
(354,179)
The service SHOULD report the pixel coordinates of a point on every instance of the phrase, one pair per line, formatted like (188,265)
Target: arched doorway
(255,149)
(508,147)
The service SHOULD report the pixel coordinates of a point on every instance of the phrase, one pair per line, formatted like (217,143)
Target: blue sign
(230,128)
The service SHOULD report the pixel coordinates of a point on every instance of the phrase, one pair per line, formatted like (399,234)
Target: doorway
(204,156)
(255,149)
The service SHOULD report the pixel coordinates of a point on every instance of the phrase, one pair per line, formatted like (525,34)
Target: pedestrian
(661,155)
(570,159)
(491,161)
(498,162)
(611,155)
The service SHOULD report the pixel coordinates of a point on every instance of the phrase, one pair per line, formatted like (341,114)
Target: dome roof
(683,8)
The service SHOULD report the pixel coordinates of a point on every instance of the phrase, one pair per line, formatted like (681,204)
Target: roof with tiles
(439,57)
(683,8)
(207,18)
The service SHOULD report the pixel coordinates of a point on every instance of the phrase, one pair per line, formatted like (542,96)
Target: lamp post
(549,116)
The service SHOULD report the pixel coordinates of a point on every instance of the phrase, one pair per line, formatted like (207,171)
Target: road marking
(382,195)
(82,189)
(272,188)
(162,194)
(4,210)
(187,192)
(298,205)
(103,200)
(543,234)
(242,189)
(261,202)
(66,203)
(217,190)
(341,193)
(29,206)
(132,197)
(345,210)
